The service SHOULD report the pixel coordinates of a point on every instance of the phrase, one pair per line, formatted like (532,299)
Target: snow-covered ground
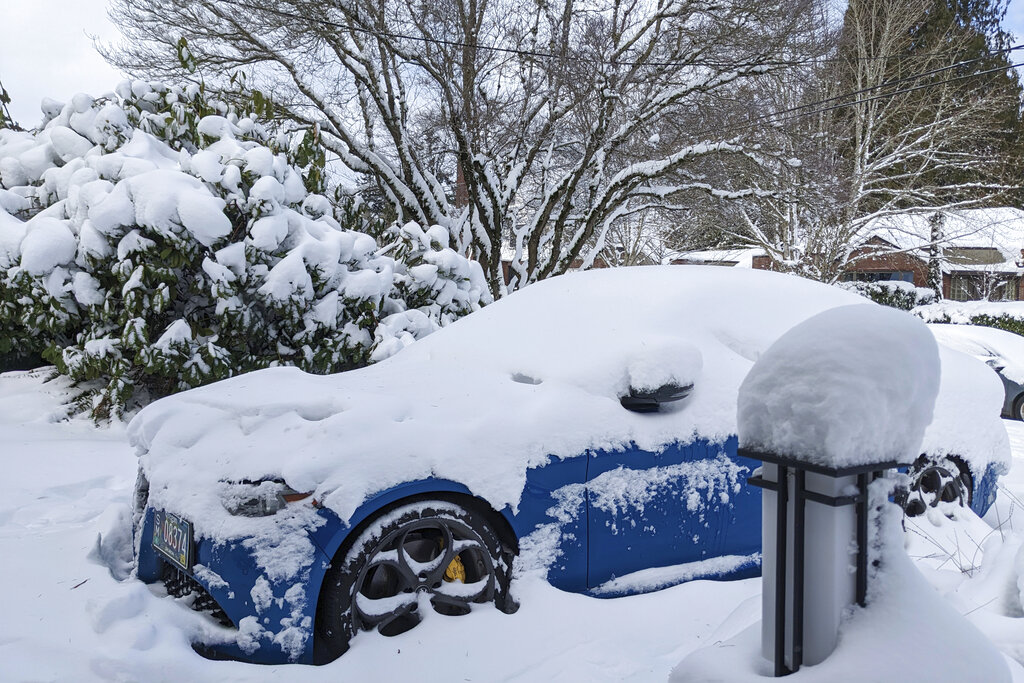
(69,613)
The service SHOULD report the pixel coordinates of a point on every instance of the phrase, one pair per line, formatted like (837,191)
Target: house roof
(987,240)
(740,257)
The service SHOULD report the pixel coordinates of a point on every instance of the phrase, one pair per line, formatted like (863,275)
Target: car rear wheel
(1018,408)
(427,555)
(937,483)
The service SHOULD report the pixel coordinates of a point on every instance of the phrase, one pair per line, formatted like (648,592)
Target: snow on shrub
(1003,315)
(894,293)
(154,241)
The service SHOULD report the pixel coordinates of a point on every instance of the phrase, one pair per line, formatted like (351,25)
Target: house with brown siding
(979,252)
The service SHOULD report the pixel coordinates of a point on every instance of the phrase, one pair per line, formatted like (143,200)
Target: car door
(681,507)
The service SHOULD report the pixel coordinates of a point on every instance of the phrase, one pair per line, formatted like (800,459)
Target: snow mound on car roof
(534,376)
(967,419)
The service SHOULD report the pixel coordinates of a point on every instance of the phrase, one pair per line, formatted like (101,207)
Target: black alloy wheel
(936,481)
(435,553)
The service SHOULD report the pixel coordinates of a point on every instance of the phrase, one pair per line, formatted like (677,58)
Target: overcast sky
(1014,22)
(46,50)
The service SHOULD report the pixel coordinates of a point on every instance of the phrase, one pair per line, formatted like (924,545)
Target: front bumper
(271,619)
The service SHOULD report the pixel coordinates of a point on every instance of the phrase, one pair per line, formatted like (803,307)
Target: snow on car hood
(1005,349)
(534,376)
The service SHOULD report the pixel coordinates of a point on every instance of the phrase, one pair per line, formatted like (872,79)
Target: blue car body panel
(692,512)
(665,525)
(233,563)
(985,490)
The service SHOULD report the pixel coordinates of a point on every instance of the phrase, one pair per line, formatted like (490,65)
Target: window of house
(1012,290)
(963,287)
(878,276)
(1004,290)
(974,286)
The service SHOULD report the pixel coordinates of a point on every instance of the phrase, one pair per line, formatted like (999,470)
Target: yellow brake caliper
(455,571)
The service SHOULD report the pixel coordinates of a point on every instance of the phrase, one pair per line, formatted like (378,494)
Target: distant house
(740,257)
(508,256)
(982,253)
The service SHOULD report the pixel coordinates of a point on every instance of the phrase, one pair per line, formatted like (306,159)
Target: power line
(378,33)
(915,88)
(904,79)
(796,112)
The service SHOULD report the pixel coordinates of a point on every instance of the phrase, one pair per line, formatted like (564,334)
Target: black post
(864,473)
(862,539)
(798,569)
(780,572)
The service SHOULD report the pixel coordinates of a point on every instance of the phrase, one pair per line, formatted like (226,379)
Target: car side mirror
(650,400)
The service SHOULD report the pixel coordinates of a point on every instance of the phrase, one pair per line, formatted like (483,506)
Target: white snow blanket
(536,375)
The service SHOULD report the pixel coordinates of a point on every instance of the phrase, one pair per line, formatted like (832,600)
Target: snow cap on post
(851,386)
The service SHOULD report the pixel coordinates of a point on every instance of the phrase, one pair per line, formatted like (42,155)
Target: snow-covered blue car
(582,428)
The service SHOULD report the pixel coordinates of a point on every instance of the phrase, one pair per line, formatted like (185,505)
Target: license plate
(172,537)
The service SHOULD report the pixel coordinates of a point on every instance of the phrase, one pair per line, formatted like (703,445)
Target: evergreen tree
(159,241)
(970,33)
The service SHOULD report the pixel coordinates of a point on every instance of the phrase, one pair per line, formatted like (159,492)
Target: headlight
(258,498)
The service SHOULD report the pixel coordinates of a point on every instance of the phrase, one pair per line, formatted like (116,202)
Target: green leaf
(185,57)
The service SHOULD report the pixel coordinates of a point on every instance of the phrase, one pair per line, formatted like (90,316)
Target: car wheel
(1018,408)
(935,483)
(432,554)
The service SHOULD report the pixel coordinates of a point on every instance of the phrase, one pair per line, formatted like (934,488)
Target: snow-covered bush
(1003,315)
(435,284)
(154,241)
(894,293)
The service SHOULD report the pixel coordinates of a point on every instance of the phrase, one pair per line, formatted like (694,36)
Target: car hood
(1002,349)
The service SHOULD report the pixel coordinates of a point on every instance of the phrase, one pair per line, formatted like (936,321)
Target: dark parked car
(1003,351)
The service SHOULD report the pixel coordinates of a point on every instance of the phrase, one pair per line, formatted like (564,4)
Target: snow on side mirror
(662,371)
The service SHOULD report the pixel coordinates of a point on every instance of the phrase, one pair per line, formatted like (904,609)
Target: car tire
(434,553)
(935,482)
(1018,408)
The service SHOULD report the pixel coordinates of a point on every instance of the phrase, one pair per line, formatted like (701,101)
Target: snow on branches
(528,130)
(152,241)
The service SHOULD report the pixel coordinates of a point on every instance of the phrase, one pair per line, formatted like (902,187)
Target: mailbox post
(814,523)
